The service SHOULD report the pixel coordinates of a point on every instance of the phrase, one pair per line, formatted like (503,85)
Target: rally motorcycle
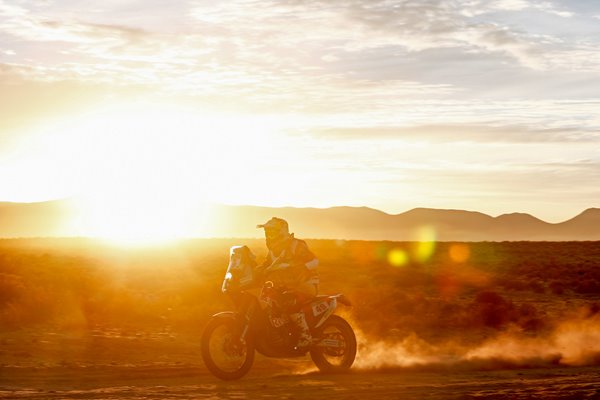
(259,324)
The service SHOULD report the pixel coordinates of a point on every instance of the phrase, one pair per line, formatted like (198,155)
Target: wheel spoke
(336,349)
(224,353)
(228,352)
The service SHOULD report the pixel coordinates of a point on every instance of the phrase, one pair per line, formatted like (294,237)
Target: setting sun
(144,174)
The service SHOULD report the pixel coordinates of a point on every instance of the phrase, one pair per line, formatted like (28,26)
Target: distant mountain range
(417,224)
(52,219)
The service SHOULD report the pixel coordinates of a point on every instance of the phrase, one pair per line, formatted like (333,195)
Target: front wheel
(335,349)
(225,354)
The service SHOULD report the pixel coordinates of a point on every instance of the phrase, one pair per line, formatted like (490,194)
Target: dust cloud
(572,343)
(575,342)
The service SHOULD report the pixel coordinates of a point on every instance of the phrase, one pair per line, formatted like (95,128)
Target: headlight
(226,281)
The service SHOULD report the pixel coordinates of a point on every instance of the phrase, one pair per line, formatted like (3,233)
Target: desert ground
(121,367)
(510,320)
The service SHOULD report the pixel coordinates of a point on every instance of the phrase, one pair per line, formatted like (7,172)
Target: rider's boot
(304,338)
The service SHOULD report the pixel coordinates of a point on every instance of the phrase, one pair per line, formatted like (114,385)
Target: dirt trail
(144,365)
(271,382)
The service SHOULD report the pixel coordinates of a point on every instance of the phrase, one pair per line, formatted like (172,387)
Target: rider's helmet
(277,232)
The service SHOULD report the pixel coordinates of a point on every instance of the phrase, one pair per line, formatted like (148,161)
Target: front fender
(240,322)
(225,314)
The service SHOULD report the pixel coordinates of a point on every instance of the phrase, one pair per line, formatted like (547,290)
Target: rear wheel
(335,350)
(226,356)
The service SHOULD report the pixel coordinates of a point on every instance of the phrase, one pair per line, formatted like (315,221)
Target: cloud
(371,63)
(24,24)
(11,11)
(267,43)
(90,42)
(490,176)
(472,120)
(512,5)
(465,133)
(359,25)
(477,8)
(442,24)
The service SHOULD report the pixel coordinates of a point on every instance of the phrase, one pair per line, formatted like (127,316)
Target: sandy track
(267,382)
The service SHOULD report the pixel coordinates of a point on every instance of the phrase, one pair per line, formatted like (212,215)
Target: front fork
(248,314)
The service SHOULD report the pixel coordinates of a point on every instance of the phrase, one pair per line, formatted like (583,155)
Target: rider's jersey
(296,264)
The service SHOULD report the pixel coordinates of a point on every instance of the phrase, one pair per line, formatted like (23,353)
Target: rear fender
(342,299)
(323,306)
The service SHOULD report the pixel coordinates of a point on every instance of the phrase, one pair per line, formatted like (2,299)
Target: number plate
(320,308)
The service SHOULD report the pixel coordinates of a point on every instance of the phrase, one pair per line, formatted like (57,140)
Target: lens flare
(397,257)
(426,237)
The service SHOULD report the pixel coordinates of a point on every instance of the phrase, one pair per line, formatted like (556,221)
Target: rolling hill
(445,225)
(53,219)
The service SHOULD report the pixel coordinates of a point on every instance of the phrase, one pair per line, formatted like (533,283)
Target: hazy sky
(491,106)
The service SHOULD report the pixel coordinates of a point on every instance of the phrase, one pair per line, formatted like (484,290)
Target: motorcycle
(230,338)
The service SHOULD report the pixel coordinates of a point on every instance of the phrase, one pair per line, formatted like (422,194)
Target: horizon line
(67,199)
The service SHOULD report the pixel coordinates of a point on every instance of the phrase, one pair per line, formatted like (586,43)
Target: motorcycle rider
(292,267)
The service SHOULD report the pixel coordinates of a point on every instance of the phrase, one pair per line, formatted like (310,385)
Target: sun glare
(148,174)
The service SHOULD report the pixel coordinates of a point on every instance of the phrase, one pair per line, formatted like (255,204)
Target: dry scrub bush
(11,288)
(557,287)
(85,283)
(588,286)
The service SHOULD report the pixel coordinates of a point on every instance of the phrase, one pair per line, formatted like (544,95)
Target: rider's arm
(304,256)
(273,263)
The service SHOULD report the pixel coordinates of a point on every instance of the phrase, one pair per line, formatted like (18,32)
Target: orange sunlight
(148,173)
